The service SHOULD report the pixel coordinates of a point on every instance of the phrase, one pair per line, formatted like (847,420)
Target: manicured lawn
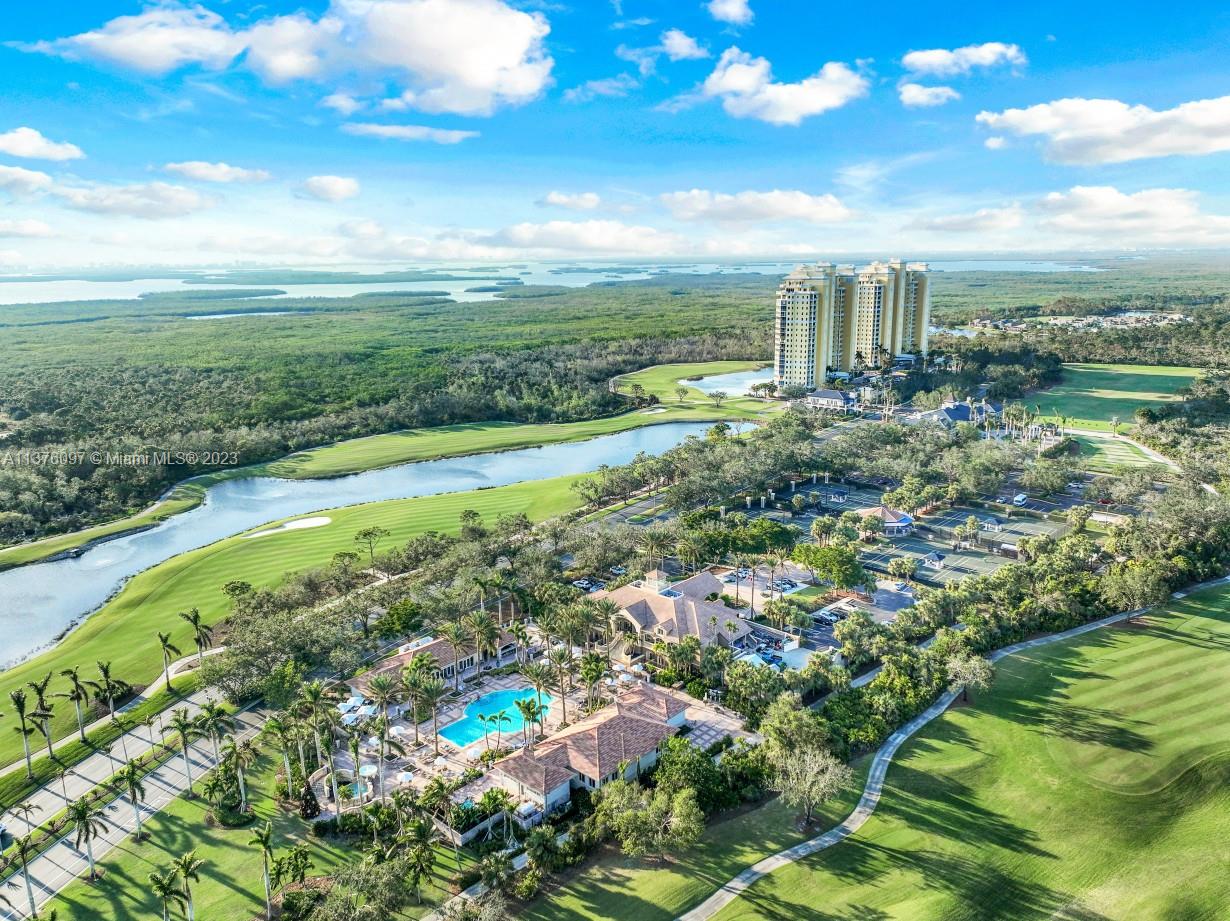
(614,886)
(1091,395)
(661,381)
(230,888)
(185,496)
(1104,454)
(1092,782)
(124,631)
(454,440)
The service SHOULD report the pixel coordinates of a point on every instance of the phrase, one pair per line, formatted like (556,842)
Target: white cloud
(364,229)
(940,62)
(203,171)
(1167,217)
(745,86)
(341,103)
(156,41)
(293,47)
(24,228)
(993,143)
(679,46)
(461,56)
(1090,131)
(408,132)
(984,220)
(620,85)
(611,237)
(10,257)
(645,59)
(735,12)
(20,181)
(149,201)
(28,143)
(917,96)
(331,188)
(581,201)
(779,204)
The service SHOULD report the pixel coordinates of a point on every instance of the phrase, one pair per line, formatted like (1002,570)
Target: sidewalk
(62,863)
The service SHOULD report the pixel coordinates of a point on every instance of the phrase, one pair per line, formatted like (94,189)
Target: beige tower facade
(836,318)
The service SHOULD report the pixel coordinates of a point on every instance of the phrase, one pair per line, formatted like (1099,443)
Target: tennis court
(1010,530)
(957,563)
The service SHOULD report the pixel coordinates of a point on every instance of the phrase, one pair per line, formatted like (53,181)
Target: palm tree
(540,676)
(23,849)
(422,665)
(486,634)
(202,634)
(458,639)
(419,840)
(130,778)
(165,889)
(164,641)
(500,719)
(186,732)
(263,838)
(384,691)
(654,544)
(239,756)
(531,712)
(561,660)
(188,868)
(23,729)
(608,610)
(387,745)
(43,708)
(85,815)
(521,635)
(79,693)
(314,701)
(592,670)
(281,731)
(215,721)
(108,687)
(431,691)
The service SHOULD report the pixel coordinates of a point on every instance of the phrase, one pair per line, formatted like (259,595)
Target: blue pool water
(469,729)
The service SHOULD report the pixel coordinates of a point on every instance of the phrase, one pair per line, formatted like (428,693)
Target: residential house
(448,661)
(837,400)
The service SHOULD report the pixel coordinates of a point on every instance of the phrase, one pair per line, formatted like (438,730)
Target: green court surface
(1011,528)
(1091,783)
(1091,395)
(957,563)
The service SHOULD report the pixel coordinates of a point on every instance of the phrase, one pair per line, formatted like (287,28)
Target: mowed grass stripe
(1090,395)
(1002,810)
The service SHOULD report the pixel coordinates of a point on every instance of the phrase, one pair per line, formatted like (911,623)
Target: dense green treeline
(129,377)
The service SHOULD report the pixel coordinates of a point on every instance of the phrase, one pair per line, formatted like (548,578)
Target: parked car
(619,571)
(1020,499)
(900,587)
(582,584)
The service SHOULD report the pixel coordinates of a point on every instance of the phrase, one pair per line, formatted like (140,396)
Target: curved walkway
(879,767)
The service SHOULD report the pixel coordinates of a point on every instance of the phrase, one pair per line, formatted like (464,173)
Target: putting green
(1091,782)
(1091,396)
(124,631)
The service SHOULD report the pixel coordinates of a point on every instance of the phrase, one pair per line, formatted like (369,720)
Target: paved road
(61,863)
(178,667)
(879,767)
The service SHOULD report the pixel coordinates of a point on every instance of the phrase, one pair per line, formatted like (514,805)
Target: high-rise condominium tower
(835,318)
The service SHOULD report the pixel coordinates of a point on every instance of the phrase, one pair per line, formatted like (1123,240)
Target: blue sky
(425,130)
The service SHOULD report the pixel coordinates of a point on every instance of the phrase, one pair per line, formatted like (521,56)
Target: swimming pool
(469,729)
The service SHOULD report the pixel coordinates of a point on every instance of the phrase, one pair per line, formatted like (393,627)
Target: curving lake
(40,601)
(736,383)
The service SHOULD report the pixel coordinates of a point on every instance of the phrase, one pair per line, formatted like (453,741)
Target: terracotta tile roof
(443,652)
(628,729)
(887,515)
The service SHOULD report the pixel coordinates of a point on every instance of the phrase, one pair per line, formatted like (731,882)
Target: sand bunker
(318,522)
